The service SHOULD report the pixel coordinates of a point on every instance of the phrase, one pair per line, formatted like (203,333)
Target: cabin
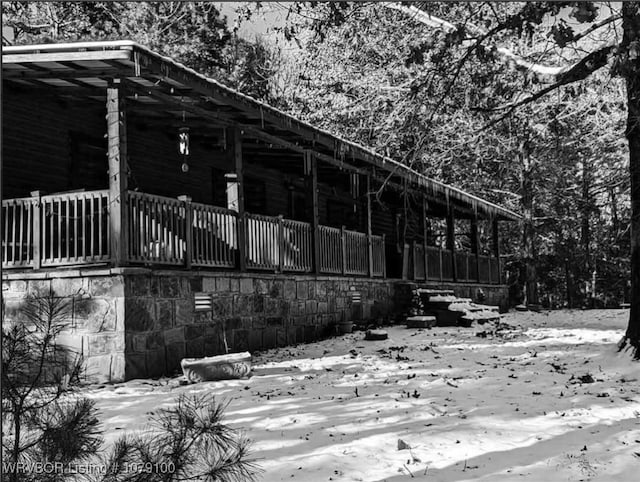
(182,217)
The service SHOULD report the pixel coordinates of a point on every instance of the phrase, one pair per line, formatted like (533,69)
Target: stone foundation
(96,327)
(137,323)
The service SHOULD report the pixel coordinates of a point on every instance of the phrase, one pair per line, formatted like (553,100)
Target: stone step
(374,335)
(421,321)
(482,316)
(434,292)
(472,307)
(445,317)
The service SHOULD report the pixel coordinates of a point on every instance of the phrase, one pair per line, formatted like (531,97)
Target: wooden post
(280,243)
(236,134)
(424,236)
(369,230)
(311,191)
(475,244)
(188,230)
(496,249)
(451,241)
(37,229)
(343,242)
(117,155)
(384,255)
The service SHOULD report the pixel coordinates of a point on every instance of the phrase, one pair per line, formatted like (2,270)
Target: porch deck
(68,229)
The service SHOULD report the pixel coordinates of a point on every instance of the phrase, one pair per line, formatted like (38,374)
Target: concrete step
(421,321)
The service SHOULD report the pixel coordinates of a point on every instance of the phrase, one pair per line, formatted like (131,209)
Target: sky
(261,24)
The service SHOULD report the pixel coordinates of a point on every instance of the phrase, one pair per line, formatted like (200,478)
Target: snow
(549,399)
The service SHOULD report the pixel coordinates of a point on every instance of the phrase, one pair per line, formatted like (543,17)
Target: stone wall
(258,311)
(135,322)
(95,325)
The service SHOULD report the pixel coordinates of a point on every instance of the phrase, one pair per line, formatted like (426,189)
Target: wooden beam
(91,55)
(311,192)
(117,156)
(496,247)
(451,240)
(475,244)
(106,72)
(154,92)
(236,144)
(425,229)
(369,228)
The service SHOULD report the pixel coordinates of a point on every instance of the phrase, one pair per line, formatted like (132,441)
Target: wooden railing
(418,261)
(331,252)
(56,230)
(484,262)
(469,267)
(17,233)
(447,265)
(278,244)
(356,252)
(297,245)
(462,266)
(434,263)
(214,236)
(263,248)
(378,257)
(74,228)
(157,229)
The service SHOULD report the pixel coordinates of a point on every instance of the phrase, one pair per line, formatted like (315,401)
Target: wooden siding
(39,130)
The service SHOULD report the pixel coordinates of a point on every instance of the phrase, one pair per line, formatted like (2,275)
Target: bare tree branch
(555,74)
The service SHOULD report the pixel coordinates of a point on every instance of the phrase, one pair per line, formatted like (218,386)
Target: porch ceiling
(166,91)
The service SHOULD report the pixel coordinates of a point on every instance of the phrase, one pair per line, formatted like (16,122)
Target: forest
(525,105)
(534,106)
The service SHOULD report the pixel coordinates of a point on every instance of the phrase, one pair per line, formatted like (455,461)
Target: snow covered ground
(548,400)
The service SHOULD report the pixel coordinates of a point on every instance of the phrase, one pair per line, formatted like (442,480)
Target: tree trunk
(585,231)
(528,231)
(631,71)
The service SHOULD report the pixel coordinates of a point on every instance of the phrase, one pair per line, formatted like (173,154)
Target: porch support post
(37,229)
(451,241)
(475,244)
(425,229)
(369,230)
(188,235)
(117,156)
(496,248)
(311,192)
(236,134)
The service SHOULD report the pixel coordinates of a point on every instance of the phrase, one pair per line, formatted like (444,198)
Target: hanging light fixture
(183,144)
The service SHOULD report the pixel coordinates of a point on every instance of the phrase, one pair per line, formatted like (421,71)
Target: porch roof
(84,68)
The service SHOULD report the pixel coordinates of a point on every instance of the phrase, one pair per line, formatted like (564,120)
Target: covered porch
(188,174)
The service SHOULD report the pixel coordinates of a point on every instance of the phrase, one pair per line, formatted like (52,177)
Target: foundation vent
(203,302)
